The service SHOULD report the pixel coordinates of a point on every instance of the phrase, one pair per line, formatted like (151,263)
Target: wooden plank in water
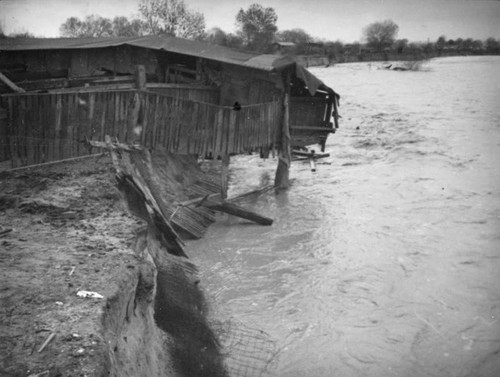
(235,210)
(310,154)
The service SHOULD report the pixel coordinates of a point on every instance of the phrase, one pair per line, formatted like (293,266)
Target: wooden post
(140,77)
(335,110)
(224,176)
(282,178)
(312,162)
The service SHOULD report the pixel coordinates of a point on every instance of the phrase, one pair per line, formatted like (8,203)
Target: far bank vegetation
(256,30)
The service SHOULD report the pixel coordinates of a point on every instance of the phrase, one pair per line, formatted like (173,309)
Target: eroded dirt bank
(71,232)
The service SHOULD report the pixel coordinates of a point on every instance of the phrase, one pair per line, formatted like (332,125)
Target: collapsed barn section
(159,105)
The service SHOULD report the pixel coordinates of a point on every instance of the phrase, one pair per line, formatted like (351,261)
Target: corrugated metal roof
(155,42)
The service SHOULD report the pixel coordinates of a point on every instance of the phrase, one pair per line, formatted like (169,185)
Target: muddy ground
(63,229)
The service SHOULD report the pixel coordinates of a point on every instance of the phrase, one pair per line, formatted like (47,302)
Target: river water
(386,260)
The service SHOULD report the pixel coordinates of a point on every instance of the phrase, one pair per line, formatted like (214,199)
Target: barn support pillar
(282,178)
(224,176)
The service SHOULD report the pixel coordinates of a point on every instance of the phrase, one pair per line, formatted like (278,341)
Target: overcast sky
(418,20)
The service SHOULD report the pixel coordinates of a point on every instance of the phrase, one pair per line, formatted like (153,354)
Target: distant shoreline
(318,61)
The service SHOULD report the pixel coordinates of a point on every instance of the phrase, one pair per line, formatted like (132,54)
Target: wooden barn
(182,96)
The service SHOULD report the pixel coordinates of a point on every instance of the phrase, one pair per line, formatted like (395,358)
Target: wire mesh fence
(205,342)
(247,351)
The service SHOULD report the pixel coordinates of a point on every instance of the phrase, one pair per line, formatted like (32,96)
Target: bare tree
(122,27)
(91,26)
(97,26)
(257,26)
(381,34)
(71,28)
(171,17)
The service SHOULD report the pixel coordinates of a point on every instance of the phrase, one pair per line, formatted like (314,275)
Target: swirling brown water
(386,261)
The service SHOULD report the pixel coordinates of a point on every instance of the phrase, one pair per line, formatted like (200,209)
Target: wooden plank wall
(308,112)
(199,94)
(51,126)
(191,127)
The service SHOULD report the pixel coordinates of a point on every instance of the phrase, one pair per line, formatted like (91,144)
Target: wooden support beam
(224,176)
(335,110)
(282,178)
(10,84)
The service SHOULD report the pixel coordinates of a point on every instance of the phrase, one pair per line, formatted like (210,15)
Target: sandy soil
(70,232)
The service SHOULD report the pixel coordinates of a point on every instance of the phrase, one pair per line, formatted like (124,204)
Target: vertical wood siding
(52,126)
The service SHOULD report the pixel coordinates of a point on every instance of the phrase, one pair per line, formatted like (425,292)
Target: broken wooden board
(311,154)
(175,186)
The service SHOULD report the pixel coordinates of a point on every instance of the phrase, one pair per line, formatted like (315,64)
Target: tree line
(256,30)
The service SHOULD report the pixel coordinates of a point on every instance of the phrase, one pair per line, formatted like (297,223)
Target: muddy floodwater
(386,260)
